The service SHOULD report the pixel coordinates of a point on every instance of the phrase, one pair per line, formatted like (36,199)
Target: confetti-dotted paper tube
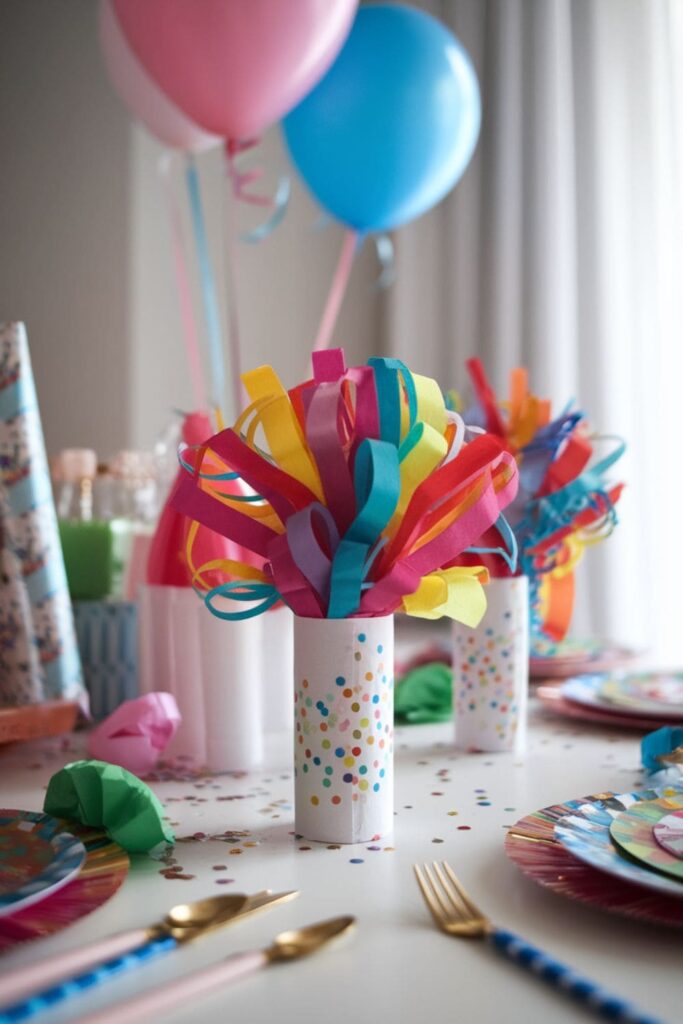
(344,711)
(33,538)
(491,671)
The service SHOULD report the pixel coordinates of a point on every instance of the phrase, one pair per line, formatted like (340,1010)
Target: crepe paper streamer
(137,733)
(362,504)
(194,361)
(424,695)
(103,795)
(658,744)
(208,287)
(337,290)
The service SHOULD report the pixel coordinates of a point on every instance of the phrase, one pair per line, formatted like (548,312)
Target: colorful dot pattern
(490,672)
(344,736)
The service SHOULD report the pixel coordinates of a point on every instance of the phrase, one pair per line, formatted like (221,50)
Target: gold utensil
(456,914)
(286,946)
(187,921)
(183,923)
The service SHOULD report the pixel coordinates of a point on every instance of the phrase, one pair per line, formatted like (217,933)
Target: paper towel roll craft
(355,506)
(564,503)
(213,673)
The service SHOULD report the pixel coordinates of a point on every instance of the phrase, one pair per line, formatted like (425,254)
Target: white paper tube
(189,742)
(344,713)
(231,681)
(277,670)
(491,671)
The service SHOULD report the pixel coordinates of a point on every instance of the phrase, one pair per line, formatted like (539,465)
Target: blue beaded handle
(85,982)
(566,980)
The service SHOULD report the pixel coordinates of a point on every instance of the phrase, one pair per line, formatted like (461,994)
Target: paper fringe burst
(563,504)
(369,491)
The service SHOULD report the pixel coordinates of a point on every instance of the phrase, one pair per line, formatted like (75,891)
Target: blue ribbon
(280,203)
(211,313)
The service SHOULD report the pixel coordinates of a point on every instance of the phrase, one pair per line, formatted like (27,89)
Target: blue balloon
(391,127)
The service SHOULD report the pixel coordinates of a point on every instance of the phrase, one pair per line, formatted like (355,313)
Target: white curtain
(562,250)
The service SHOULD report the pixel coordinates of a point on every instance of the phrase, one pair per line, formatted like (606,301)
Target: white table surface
(396,966)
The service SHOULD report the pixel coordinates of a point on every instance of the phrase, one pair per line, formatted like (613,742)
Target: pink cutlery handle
(28,979)
(152,1004)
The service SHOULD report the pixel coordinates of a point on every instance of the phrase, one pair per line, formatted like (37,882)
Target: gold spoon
(286,946)
(184,922)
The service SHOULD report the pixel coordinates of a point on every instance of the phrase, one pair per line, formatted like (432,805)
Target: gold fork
(456,914)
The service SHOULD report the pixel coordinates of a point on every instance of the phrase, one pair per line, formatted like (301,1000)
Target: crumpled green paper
(106,796)
(424,695)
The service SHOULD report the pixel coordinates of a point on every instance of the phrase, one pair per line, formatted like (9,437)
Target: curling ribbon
(337,290)
(194,361)
(387,261)
(211,313)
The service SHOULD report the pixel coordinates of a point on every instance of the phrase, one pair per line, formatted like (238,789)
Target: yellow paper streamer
(456,593)
(282,429)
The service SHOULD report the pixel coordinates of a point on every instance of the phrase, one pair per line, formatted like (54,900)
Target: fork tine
(458,905)
(471,907)
(439,894)
(429,898)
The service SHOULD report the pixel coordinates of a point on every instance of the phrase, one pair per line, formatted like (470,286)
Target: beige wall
(85,254)
(64,200)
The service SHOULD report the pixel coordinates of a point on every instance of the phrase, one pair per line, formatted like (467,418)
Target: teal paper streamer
(377,485)
(387,384)
(237,590)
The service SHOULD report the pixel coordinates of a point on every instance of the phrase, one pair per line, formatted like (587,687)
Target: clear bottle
(135,510)
(86,538)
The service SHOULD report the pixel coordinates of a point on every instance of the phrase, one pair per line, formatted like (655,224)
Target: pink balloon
(142,95)
(236,66)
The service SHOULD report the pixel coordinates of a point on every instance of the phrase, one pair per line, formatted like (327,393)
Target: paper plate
(551,698)
(585,832)
(37,857)
(105,868)
(668,833)
(651,693)
(633,831)
(571,657)
(532,846)
(619,695)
